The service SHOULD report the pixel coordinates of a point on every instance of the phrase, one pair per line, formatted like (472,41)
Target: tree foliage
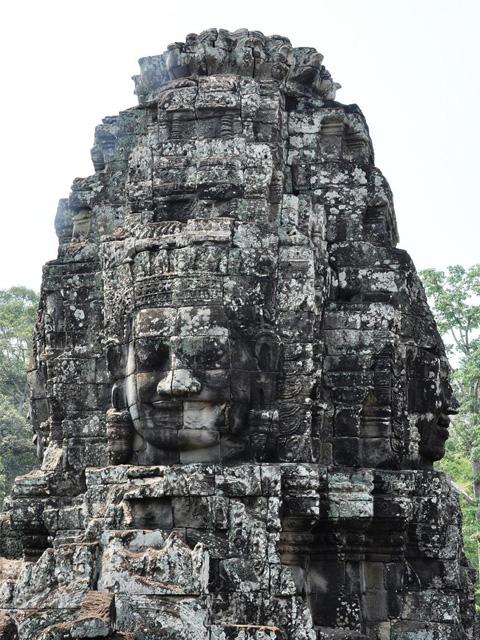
(456,305)
(18,307)
(17,451)
(455,297)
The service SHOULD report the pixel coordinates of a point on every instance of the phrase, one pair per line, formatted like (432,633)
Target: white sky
(413,66)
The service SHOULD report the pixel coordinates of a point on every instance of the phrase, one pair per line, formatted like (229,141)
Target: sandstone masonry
(238,390)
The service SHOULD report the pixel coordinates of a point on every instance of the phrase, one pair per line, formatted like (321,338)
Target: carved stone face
(434,429)
(191,381)
(192,377)
(223,214)
(431,402)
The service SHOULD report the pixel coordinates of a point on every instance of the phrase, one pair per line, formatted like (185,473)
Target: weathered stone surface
(237,388)
(97,616)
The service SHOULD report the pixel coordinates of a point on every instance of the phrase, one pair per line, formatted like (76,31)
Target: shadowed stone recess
(238,390)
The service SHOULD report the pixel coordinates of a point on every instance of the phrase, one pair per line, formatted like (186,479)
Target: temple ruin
(238,390)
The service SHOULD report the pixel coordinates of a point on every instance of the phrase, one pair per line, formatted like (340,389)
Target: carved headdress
(242,53)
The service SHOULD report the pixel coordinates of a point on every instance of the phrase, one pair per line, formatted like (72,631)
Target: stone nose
(179,382)
(451,405)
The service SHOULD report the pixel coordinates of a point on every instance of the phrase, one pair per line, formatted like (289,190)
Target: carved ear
(267,351)
(116,360)
(119,399)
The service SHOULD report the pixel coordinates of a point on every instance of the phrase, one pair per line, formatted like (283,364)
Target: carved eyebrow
(206,348)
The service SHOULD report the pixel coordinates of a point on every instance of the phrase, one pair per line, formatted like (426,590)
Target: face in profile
(434,428)
(431,402)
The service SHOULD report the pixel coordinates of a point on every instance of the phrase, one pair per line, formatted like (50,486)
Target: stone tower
(237,388)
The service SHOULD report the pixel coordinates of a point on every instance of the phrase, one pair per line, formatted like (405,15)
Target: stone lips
(238,389)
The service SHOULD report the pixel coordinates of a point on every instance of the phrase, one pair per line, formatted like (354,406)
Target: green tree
(18,307)
(17,451)
(458,467)
(455,295)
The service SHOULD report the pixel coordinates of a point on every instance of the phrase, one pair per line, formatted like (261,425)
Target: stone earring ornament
(119,436)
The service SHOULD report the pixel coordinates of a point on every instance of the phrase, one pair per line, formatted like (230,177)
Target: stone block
(336,611)
(239,481)
(326,576)
(151,513)
(97,616)
(375,605)
(194,512)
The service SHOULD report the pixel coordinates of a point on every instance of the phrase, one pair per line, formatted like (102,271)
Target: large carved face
(433,425)
(431,400)
(241,195)
(193,383)
(205,248)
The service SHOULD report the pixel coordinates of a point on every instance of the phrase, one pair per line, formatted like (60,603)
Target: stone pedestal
(205,551)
